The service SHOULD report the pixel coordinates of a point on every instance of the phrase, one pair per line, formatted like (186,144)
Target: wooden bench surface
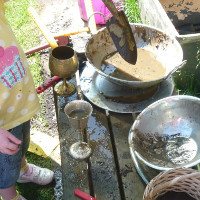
(110,172)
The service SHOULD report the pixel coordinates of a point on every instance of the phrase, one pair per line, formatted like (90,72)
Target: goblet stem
(65,85)
(80,135)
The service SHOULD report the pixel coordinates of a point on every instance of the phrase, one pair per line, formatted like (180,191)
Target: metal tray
(91,79)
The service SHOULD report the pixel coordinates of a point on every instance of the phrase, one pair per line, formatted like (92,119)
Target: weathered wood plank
(75,173)
(103,170)
(133,185)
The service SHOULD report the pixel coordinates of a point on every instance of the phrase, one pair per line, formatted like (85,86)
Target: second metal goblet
(78,113)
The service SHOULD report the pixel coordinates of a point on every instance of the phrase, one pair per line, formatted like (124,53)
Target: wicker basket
(184,180)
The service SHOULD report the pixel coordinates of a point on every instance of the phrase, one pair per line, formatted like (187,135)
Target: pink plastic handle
(47,84)
(83,195)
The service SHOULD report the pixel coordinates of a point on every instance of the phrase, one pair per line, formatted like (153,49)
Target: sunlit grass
(132,11)
(33,191)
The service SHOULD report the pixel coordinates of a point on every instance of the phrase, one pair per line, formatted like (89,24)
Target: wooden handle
(89,11)
(111,7)
(83,195)
(72,33)
(43,28)
(48,83)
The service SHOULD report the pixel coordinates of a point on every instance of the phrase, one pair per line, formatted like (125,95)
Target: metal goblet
(78,113)
(63,62)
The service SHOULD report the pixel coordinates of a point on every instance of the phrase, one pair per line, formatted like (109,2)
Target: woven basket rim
(179,180)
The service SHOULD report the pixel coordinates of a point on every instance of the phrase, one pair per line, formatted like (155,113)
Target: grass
(27,35)
(33,191)
(191,83)
(132,11)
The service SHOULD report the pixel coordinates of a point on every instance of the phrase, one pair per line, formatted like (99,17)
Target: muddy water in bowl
(175,149)
(147,67)
(181,150)
(166,48)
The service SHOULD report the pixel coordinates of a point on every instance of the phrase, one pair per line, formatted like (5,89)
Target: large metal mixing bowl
(166,48)
(166,134)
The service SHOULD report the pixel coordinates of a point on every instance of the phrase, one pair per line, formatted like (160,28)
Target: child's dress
(18,98)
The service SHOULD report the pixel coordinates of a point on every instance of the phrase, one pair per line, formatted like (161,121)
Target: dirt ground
(58,16)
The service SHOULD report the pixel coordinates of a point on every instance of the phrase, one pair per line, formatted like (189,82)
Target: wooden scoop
(51,40)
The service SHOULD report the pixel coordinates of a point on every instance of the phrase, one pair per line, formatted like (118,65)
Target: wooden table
(109,174)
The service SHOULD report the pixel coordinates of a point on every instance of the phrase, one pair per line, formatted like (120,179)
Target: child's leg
(8,193)
(30,172)
(10,164)
(24,163)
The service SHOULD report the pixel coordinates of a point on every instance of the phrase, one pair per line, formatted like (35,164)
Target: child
(18,104)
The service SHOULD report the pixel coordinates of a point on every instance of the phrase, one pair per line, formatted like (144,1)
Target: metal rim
(136,83)
(87,79)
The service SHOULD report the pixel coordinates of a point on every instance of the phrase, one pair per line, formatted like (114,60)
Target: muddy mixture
(147,67)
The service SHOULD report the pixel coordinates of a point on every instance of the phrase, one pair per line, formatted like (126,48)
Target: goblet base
(80,150)
(64,92)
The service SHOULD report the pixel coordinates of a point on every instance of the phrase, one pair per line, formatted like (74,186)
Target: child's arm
(9,144)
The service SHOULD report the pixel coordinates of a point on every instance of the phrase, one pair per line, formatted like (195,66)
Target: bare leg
(8,193)
(23,165)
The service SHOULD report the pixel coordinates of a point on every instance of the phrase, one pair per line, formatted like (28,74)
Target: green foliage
(198,57)
(187,82)
(191,86)
(21,23)
(132,11)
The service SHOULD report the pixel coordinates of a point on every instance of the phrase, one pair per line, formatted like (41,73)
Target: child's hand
(8,142)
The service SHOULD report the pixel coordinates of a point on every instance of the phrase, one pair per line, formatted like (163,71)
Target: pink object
(83,195)
(98,6)
(12,70)
(7,56)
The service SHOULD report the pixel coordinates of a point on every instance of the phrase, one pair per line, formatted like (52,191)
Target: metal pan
(171,139)
(166,48)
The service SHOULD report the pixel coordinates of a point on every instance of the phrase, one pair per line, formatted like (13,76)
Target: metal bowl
(166,134)
(166,48)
